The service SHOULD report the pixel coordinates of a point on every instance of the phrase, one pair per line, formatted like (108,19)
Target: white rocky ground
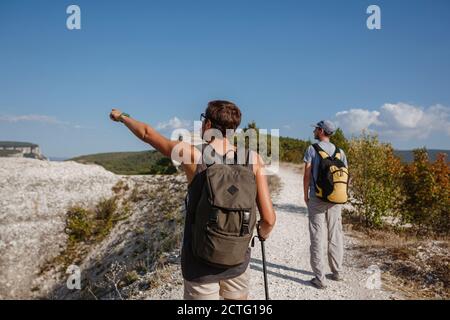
(34,196)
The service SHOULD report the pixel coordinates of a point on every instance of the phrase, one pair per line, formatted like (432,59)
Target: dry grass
(418,267)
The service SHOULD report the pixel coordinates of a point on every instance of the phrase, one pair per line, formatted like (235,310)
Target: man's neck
(324,139)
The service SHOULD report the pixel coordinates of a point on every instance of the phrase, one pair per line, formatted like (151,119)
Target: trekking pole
(263,254)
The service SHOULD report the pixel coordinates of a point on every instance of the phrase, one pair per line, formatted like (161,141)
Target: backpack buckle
(213,219)
(253,241)
(245,223)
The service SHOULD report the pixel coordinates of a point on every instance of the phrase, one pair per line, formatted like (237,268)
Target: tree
(291,149)
(441,171)
(426,187)
(375,173)
(339,140)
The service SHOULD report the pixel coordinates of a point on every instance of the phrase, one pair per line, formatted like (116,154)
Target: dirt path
(287,253)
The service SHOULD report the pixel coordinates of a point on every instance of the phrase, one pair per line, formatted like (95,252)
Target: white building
(20,149)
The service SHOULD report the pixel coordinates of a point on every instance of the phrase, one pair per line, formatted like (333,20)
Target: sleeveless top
(193,269)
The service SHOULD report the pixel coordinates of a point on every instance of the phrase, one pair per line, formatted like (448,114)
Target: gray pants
(325,229)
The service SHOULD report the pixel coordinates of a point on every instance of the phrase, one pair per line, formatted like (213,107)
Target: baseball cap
(326,125)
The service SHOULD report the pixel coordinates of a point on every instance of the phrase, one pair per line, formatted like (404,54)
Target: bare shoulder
(188,156)
(185,153)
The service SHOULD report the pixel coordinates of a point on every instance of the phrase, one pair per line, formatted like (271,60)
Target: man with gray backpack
(325,185)
(225,186)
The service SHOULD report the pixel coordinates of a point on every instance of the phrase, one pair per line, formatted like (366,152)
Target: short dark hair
(223,115)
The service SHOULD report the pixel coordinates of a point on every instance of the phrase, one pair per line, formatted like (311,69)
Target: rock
(34,197)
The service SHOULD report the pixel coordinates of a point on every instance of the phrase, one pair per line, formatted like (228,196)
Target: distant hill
(130,163)
(408,155)
(57,158)
(152,162)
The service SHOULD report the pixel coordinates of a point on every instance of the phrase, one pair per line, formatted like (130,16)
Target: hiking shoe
(335,277)
(315,282)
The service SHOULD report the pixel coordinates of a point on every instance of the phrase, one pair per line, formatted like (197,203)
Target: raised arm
(146,133)
(166,146)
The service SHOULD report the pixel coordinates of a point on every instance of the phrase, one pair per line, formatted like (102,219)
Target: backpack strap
(320,151)
(245,228)
(247,158)
(201,166)
(224,157)
(204,165)
(337,153)
(324,155)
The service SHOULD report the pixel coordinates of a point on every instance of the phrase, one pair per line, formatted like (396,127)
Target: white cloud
(174,123)
(400,120)
(31,118)
(37,118)
(357,120)
(401,115)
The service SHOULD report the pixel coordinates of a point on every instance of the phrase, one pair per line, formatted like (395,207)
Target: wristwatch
(123,114)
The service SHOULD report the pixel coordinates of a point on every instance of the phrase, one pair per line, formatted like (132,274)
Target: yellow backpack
(332,180)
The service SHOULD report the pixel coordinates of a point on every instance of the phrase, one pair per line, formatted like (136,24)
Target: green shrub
(441,170)
(375,173)
(83,225)
(291,149)
(79,224)
(163,166)
(106,208)
(131,277)
(427,191)
(381,186)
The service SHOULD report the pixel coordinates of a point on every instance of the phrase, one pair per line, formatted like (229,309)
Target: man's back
(312,157)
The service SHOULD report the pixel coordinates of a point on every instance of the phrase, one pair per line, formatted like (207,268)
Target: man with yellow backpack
(325,186)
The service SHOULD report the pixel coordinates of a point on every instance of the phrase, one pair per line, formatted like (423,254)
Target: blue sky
(287,64)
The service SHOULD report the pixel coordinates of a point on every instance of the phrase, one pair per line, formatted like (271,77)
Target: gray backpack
(224,216)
